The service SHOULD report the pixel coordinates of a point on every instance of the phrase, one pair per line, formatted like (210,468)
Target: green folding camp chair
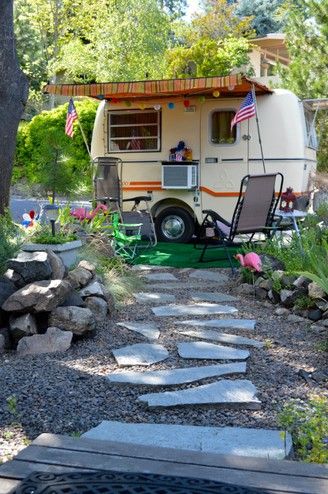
(125,237)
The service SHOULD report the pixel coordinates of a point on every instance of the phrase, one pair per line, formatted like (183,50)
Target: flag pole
(258,127)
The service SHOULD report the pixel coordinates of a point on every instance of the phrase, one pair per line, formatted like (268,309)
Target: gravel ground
(68,393)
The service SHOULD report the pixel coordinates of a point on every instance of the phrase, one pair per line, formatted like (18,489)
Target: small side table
(293,216)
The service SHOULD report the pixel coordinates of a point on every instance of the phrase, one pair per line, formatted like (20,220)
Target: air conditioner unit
(179,176)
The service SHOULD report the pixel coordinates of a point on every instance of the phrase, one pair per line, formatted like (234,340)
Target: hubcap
(173,227)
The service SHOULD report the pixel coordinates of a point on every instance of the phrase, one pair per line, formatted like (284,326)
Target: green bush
(45,155)
(308,424)
(10,241)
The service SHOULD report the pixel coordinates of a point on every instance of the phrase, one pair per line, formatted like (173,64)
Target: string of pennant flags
(170,104)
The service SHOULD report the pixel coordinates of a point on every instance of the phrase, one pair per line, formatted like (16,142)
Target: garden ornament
(251,261)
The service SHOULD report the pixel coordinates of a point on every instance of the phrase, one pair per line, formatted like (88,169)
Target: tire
(174,225)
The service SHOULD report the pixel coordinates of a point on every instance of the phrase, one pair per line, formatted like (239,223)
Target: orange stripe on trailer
(145,183)
(142,188)
(219,194)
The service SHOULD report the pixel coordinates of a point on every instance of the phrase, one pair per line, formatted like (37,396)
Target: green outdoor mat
(185,256)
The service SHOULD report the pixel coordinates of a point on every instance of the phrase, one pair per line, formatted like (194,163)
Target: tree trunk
(13,96)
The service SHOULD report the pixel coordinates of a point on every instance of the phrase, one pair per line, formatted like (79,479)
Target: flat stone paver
(241,441)
(221,323)
(160,277)
(181,285)
(203,350)
(148,267)
(209,275)
(212,297)
(140,354)
(200,309)
(153,298)
(205,334)
(177,376)
(239,392)
(148,330)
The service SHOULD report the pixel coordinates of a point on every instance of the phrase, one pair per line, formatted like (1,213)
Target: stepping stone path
(153,298)
(177,376)
(212,297)
(238,392)
(260,443)
(222,337)
(232,392)
(195,310)
(140,354)
(203,350)
(221,323)
(146,329)
(160,277)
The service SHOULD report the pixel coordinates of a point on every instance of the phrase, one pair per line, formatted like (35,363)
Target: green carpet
(184,256)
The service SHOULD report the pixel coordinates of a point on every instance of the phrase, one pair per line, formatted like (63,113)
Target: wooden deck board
(52,453)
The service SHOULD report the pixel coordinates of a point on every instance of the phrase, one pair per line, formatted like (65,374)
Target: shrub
(46,155)
(10,241)
(308,424)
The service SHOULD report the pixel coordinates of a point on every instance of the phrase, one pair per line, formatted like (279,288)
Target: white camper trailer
(141,122)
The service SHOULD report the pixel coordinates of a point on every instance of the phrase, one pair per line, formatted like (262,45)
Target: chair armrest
(138,199)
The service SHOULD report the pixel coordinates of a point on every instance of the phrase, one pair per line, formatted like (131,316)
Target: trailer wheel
(174,225)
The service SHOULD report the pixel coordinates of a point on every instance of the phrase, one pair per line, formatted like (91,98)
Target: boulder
(54,340)
(20,326)
(15,278)
(6,289)
(314,314)
(5,340)
(39,296)
(87,265)
(94,289)
(245,289)
(75,319)
(260,293)
(31,266)
(79,277)
(57,266)
(73,298)
(266,285)
(319,197)
(288,297)
(315,291)
(302,282)
(274,296)
(293,318)
(98,307)
(281,311)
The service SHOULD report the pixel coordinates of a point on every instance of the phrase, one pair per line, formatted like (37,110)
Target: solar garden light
(52,212)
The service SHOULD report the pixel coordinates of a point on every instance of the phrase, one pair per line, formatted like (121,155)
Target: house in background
(267,53)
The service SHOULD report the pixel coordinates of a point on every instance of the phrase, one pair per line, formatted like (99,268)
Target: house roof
(229,86)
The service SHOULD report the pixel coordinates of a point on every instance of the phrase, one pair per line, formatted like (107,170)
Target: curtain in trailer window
(221,132)
(133,131)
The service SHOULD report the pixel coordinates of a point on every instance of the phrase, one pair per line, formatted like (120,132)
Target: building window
(134,131)
(221,132)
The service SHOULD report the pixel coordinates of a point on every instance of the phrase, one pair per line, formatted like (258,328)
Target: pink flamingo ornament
(252,261)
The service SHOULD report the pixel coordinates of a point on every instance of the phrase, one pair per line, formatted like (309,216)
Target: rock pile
(42,306)
(295,293)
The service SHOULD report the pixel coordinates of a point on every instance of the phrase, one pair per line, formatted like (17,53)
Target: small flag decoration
(247,110)
(70,118)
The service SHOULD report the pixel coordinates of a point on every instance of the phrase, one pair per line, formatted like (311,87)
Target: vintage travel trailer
(175,140)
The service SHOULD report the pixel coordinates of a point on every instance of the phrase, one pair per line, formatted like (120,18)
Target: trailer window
(134,131)
(221,132)
(311,137)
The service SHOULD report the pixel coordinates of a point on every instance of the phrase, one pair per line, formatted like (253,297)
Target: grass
(117,276)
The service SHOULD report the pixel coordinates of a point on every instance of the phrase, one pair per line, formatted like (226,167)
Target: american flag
(247,110)
(70,118)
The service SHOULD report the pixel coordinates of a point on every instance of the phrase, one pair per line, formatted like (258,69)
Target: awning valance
(229,86)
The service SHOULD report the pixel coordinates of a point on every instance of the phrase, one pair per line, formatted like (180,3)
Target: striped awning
(230,86)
